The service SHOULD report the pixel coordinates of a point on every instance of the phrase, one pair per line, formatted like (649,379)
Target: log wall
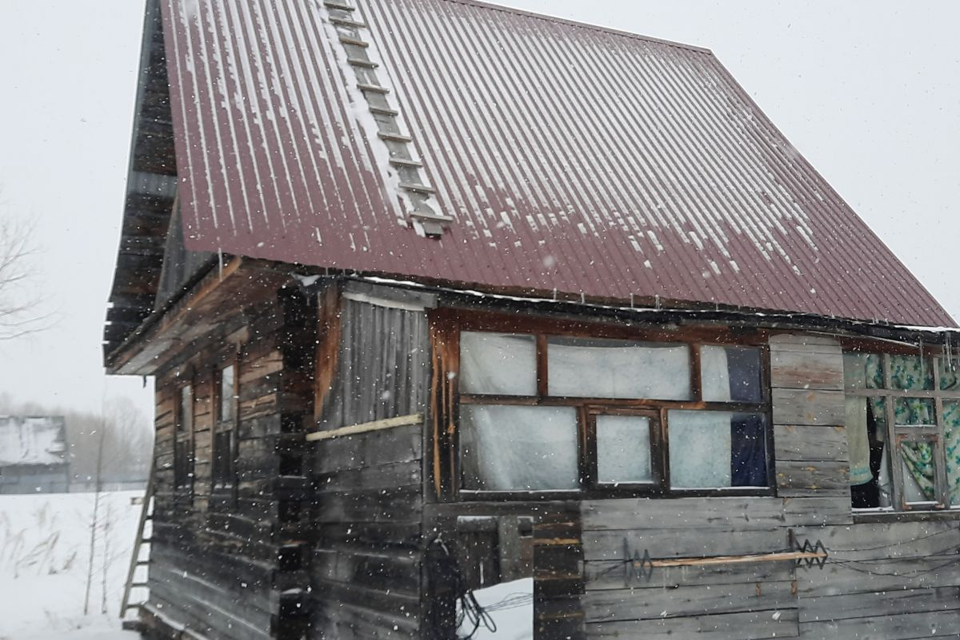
(230,566)
(366,561)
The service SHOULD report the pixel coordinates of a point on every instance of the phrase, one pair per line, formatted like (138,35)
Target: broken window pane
(228,401)
(623,450)
(949,374)
(731,374)
(915,412)
(498,364)
(951,439)
(514,448)
(712,449)
(911,373)
(618,369)
(917,459)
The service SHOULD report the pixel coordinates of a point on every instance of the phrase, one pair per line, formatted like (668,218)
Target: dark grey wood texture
(383,365)
(368,552)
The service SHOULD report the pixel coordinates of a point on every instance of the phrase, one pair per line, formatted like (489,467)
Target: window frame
(184,466)
(896,435)
(446,327)
(219,487)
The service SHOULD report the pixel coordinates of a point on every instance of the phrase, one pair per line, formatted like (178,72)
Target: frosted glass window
(713,449)
(730,374)
(498,364)
(228,400)
(508,448)
(618,369)
(185,422)
(623,450)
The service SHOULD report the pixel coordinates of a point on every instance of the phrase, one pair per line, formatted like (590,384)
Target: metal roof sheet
(573,159)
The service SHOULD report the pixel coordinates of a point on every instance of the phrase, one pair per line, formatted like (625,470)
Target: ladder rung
(329,4)
(343,22)
(384,111)
(394,137)
(142,563)
(372,88)
(132,606)
(419,188)
(360,62)
(146,540)
(403,162)
(354,41)
(138,584)
(433,217)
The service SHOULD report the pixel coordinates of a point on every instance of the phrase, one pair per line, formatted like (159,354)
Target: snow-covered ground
(45,560)
(510,604)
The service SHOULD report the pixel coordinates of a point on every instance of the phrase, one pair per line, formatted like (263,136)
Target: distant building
(33,455)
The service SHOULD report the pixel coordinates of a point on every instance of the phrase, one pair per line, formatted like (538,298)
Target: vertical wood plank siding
(365,574)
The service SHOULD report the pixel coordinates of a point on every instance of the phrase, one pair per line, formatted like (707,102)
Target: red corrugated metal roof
(572,158)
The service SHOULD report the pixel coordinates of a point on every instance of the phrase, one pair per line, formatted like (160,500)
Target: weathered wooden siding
(888,580)
(366,562)
(228,567)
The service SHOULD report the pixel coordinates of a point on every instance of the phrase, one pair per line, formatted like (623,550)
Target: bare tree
(19,301)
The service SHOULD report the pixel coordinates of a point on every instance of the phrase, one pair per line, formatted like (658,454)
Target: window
(903,431)
(183,443)
(563,414)
(223,463)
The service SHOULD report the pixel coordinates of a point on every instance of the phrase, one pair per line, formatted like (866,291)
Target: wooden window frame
(184,437)
(226,490)
(897,435)
(446,327)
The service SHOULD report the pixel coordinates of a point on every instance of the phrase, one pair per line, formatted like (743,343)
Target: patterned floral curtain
(911,373)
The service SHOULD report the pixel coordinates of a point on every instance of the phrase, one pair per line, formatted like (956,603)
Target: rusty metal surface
(573,159)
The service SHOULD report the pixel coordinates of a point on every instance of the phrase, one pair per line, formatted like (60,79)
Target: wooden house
(33,455)
(438,293)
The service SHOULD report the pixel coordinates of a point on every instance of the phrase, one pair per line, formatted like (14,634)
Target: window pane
(949,374)
(623,449)
(228,400)
(498,363)
(186,409)
(223,459)
(731,374)
(505,448)
(710,449)
(618,369)
(951,438)
(915,412)
(911,373)
(918,471)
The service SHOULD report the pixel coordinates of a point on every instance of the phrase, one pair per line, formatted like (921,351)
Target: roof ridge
(584,25)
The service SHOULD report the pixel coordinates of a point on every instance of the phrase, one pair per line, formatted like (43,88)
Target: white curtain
(516,448)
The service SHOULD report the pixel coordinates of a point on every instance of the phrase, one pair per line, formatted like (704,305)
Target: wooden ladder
(146,513)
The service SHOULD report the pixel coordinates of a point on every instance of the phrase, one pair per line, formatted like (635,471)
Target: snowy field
(45,561)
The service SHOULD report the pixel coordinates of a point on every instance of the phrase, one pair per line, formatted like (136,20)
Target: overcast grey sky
(868,91)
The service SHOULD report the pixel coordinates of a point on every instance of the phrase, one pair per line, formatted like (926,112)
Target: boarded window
(185,410)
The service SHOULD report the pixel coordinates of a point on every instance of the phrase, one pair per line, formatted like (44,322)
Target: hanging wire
(470,610)
(900,543)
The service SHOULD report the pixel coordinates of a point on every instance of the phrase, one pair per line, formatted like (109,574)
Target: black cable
(897,544)
(471,610)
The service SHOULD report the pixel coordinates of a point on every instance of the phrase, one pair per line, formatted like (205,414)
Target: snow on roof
(572,158)
(32,440)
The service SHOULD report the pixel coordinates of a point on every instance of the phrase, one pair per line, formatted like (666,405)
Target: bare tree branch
(20,298)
